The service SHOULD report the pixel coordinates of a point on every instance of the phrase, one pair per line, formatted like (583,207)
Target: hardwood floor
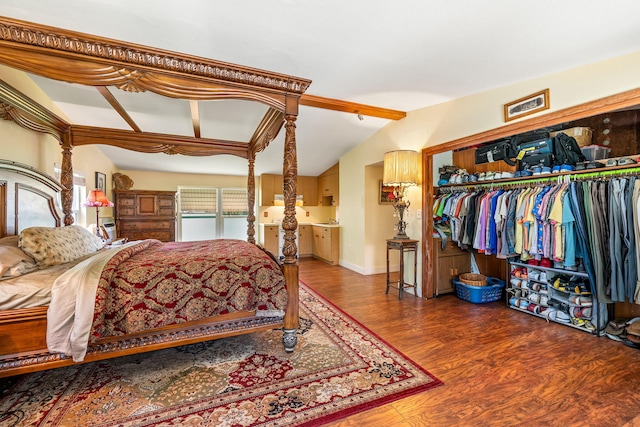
(499,367)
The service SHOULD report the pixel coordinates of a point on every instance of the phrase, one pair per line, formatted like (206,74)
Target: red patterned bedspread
(154,284)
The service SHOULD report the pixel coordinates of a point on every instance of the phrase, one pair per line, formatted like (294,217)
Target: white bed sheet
(32,289)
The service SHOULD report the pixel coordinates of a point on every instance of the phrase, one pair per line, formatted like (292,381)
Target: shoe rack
(557,295)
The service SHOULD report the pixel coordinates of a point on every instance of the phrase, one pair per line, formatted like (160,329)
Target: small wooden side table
(404,246)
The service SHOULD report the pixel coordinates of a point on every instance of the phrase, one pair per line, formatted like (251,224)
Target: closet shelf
(579,327)
(551,269)
(613,170)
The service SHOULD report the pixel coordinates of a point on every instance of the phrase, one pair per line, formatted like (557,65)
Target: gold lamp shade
(401,168)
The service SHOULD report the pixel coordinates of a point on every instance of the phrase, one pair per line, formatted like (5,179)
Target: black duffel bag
(502,150)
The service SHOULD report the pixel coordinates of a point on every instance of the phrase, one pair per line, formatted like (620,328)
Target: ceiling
(399,55)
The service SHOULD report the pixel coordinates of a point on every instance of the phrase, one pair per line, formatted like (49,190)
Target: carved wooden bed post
(66,178)
(290,225)
(251,199)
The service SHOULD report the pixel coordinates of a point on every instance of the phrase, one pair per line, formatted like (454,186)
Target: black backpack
(566,150)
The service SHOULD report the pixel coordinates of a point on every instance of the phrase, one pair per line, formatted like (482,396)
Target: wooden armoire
(145,214)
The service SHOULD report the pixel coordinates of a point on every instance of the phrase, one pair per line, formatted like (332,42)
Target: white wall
(362,243)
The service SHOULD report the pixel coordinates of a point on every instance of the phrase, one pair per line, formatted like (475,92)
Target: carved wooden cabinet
(448,263)
(145,214)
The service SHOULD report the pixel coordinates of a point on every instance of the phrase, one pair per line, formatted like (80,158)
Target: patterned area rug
(339,368)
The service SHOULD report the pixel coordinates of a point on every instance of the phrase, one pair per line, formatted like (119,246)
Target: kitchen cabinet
(142,214)
(270,185)
(305,240)
(326,243)
(329,187)
(270,238)
(308,188)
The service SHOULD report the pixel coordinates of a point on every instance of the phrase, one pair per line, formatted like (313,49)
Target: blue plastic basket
(480,294)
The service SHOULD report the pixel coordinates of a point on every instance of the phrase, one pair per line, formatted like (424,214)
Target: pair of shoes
(519,302)
(520,272)
(589,165)
(546,262)
(621,162)
(557,315)
(581,312)
(534,297)
(581,300)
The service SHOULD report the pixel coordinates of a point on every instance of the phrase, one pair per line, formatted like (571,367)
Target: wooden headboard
(29,197)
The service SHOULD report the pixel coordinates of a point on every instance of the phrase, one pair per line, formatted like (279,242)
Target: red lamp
(97,199)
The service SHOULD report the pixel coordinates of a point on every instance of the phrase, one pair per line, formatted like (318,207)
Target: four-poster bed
(101,63)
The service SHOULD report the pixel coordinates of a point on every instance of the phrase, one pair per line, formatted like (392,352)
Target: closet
(569,239)
(615,123)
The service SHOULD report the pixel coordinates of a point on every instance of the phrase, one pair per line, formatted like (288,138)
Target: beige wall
(42,151)
(361,242)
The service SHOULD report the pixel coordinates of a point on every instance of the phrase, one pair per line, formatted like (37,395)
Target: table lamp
(97,199)
(401,170)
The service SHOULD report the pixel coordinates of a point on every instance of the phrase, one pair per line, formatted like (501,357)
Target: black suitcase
(537,160)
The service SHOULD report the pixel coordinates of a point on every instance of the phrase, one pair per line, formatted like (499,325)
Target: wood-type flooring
(500,367)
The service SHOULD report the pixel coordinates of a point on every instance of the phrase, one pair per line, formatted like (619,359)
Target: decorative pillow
(56,245)
(14,261)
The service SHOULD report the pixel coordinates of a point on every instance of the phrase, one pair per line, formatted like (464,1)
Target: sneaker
(497,175)
(626,161)
(507,175)
(546,262)
(567,168)
(537,171)
(545,170)
(482,176)
(556,169)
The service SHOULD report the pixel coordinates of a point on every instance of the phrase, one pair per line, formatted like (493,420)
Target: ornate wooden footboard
(30,198)
(23,347)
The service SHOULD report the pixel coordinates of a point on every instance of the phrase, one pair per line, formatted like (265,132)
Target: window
(79,194)
(211,213)
(197,200)
(235,202)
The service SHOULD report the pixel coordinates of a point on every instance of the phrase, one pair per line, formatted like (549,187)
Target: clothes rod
(552,178)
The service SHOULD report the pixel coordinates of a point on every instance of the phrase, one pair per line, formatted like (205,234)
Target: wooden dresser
(144,214)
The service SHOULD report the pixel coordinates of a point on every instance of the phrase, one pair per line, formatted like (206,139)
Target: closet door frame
(622,100)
